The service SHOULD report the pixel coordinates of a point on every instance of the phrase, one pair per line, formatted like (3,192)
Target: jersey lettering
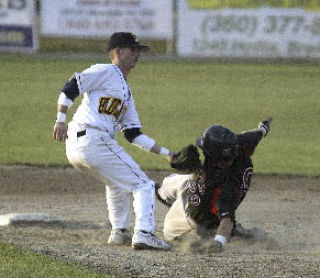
(110,106)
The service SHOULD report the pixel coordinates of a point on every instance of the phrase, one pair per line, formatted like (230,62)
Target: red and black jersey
(216,193)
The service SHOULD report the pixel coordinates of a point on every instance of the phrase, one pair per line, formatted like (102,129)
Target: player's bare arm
(225,227)
(223,234)
(161,150)
(60,127)
(69,92)
(137,138)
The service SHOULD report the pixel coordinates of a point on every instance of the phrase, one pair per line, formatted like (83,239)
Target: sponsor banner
(17,25)
(263,32)
(16,36)
(218,4)
(101,18)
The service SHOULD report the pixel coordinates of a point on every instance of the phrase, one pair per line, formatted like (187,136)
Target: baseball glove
(187,160)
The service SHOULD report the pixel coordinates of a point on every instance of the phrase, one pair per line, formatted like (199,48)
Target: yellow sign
(219,4)
(15,37)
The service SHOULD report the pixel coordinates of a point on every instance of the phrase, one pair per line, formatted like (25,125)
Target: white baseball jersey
(108,103)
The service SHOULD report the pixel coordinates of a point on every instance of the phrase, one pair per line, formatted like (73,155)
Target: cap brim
(143,48)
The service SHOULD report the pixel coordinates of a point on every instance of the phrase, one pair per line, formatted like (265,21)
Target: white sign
(17,25)
(101,18)
(263,32)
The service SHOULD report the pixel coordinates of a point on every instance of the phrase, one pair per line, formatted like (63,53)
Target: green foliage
(176,101)
(217,4)
(16,262)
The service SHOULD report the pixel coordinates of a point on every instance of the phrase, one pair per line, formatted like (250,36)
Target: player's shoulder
(97,77)
(98,69)
(102,72)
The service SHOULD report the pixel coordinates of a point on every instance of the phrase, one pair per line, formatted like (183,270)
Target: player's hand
(265,126)
(170,156)
(60,131)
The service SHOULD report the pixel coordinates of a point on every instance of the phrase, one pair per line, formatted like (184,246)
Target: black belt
(81,133)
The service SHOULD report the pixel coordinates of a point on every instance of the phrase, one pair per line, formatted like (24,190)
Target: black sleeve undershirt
(71,89)
(131,133)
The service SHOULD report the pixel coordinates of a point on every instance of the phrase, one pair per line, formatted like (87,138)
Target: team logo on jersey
(246,179)
(195,200)
(192,186)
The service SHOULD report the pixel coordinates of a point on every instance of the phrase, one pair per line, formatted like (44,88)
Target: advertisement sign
(248,32)
(101,18)
(17,25)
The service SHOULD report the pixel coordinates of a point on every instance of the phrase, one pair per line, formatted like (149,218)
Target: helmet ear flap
(199,142)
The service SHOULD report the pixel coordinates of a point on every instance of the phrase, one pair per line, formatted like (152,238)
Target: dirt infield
(282,214)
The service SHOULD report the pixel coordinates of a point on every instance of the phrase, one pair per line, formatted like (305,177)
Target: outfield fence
(186,28)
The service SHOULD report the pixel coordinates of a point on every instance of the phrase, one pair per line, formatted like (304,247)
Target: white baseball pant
(99,154)
(176,222)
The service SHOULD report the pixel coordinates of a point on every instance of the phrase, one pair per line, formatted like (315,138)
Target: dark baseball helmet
(219,144)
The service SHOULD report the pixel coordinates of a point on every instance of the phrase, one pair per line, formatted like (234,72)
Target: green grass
(176,101)
(16,262)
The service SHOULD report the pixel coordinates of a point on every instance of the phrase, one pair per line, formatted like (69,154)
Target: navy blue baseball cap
(125,39)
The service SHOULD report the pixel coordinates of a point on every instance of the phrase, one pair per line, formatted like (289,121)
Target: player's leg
(80,152)
(110,163)
(144,205)
(176,222)
(129,176)
(118,203)
(116,168)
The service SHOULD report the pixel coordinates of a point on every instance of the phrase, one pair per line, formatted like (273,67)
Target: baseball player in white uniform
(108,106)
